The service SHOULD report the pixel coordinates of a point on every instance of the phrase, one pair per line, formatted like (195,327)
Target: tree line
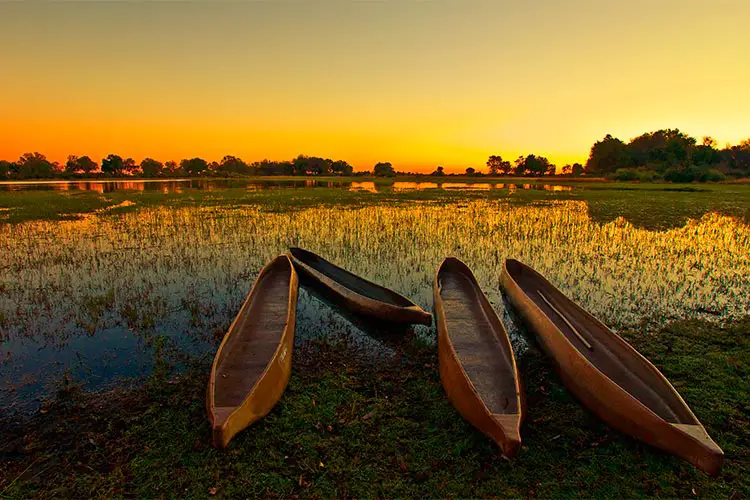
(670,155)
(666,154)
(530,165)
(37,166)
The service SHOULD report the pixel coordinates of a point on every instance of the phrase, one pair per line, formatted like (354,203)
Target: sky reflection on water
(180,185)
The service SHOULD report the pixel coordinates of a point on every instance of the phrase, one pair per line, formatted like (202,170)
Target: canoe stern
(700,449)
(509,432)
(221,427)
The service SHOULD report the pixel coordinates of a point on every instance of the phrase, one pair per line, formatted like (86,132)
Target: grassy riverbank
(651,205)
(351,425)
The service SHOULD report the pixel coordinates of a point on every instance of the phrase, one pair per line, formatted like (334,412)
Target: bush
(647,175)
(680,174)
(711,175)
(625,174)
(634,174)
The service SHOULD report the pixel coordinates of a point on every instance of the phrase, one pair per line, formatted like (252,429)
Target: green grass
(351,425)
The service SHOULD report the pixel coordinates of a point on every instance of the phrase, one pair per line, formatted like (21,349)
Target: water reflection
(466,186)
(98,295)
(163,185)
(363,186)
(409,186)
(179,185)
(386,333)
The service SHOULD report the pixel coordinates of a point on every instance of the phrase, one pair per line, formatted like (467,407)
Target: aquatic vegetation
(184,272)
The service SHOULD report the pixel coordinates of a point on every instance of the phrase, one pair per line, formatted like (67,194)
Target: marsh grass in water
(87,294)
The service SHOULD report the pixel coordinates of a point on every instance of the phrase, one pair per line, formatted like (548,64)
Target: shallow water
(98,297)
(182,185)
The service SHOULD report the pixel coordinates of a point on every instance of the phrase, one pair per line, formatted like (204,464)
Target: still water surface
(182,185)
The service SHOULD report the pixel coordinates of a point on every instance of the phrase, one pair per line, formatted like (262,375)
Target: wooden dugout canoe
(477,366)
(390,334)
(606,374)
(252,366)
(358,294)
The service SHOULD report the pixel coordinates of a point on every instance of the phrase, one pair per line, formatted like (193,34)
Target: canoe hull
(503,429)
(605,398)
(269,388)
(359,303)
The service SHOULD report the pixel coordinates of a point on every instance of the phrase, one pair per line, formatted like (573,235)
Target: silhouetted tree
(263,167)
(577,169)
(679,147)
(112,165)
(151,167)
(194,166)
(706,153)
(607,155)
(284,167)
(470,171)
(311,165)
(171,168)
(383,169)
(233,165)
(34,166)
(320,166)
(497,165)
(567,169)
(82,164)
(439,172)
(301,165)
(129,165)
(533,165)
(6,169)
(268,167)
(71,166)
(551,167)
(659,150)
(86,165)
(737,158)
(341,167)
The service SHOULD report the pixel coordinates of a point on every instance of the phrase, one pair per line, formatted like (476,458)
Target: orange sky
(418,84)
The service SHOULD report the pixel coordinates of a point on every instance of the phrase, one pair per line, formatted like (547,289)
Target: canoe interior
(349,280)
(484,352)
(254,337)
(613,357)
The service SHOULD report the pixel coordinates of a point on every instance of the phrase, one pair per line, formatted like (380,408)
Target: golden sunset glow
(418,84)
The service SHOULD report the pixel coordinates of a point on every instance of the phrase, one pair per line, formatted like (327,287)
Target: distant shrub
(681,174)
(625,174)
(711,175)
(647,175)
(634,174)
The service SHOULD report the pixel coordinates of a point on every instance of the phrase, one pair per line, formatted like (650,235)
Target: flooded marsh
(99,296)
